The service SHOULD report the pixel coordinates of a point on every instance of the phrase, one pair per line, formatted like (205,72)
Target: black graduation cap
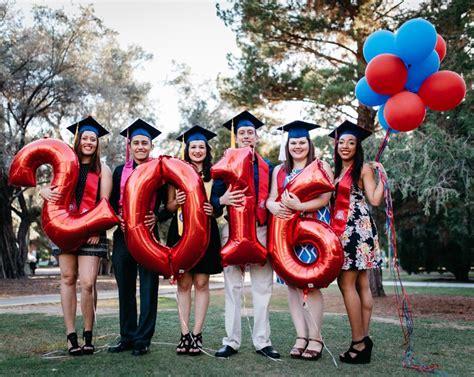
(196,133)
(88,124)
(350,128)
(140,127)
(244,119)
(298,128)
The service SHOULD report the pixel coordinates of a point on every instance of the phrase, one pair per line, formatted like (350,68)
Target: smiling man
(133,335)
(245,126)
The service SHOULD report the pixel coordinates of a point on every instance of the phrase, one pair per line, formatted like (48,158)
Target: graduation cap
(244,119)
(87,124)
(349,128)
(140,127)
(196,133)
(298,128)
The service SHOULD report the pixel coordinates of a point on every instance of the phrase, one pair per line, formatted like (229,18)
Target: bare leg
(367,302)
(313,315)
(295,305)
(201,300)
(185,283)
(68,268)
(88,270)
(347,286)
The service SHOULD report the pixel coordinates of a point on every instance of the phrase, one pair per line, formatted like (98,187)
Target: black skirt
(211,261)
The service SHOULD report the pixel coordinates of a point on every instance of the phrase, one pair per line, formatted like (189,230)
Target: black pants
(125,268)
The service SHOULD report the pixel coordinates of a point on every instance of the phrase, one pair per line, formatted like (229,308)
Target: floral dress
(360,241)
(307,253)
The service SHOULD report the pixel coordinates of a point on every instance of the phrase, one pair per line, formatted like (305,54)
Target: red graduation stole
(89,198)
(281,176)
(262,190)
(340,210)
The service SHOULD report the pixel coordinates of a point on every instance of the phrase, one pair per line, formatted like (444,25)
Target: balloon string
(383,145)
(306,307)
(404,310)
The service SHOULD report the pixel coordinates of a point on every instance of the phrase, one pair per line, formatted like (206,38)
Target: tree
(50,73)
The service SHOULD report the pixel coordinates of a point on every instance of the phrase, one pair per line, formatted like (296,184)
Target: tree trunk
(375,280)
(9,266)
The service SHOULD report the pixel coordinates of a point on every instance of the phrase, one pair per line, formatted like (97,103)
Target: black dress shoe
(225,351)
(120,347)
(140,351)
(268,351)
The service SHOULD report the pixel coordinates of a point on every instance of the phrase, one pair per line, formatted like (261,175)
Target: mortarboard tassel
(127,152)
(75,135)
(232,135)
(282,154)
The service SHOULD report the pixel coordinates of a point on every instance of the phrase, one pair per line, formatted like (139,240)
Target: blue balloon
(367,96)
(382,120)
(415,40)
(379,42)
(418,73)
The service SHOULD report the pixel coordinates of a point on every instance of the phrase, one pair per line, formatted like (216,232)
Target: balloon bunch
(403,78)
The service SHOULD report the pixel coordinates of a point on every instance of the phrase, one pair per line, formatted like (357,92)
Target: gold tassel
(75,135)
(232,135)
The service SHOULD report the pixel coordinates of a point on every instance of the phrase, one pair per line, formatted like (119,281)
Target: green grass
(25,338)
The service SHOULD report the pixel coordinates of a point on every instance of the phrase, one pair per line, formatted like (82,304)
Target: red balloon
(235,168)
(443,90)
(404,111)
(285,234)
(440,47)
(138,194)
(386,74)
(68,230)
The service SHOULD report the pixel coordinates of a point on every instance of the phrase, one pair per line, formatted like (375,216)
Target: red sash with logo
(340,210)
(262,190)
(89,198)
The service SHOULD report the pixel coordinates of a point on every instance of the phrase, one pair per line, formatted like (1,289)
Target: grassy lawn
(25,338)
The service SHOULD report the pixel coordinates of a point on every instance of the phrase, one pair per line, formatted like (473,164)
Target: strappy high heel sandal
(196,344)
(296,352)
(88,348)
(361,356)
(184,344)
(312,354)
(74,350)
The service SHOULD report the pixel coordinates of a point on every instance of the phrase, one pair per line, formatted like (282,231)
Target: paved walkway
(169,291)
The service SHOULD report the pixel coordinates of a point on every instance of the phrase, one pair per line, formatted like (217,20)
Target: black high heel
(184,344)
(74,350)
(196,344)
(88,348)
(362,356)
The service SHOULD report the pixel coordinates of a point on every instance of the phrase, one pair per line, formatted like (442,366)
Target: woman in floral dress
(351,220)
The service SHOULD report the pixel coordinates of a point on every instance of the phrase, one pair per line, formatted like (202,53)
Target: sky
(185,31)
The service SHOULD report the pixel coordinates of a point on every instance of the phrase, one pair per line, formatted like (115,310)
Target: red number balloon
(68,230)
(138,194)
(285,234)
(235,168)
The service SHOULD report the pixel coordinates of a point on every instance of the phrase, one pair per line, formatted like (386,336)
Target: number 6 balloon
(285,234)
(66,229)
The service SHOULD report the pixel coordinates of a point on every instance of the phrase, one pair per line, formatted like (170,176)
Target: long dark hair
(357,165)
(95,164)
(206,164)
(288,164)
